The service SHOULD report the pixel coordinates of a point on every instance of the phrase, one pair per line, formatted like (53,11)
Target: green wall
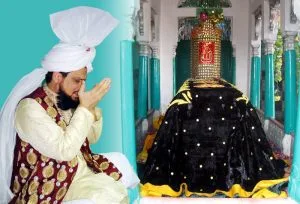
(182,63)
(26,36)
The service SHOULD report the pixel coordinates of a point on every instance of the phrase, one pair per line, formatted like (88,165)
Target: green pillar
(290,92)
(294,182)
(269,80)
(255,77)
(127,108)
(143,81)
(155,81)
(233,65)
(174,76)
(174,71)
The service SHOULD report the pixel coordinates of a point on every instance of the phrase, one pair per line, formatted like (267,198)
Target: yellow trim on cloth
(259,191)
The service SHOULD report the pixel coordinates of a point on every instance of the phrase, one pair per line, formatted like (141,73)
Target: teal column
(255,77)
(233,65)
(174,71)
(155,81)
(290,92)
(174,76)
(294,182)
(269,81)
(143,81)
(127,109)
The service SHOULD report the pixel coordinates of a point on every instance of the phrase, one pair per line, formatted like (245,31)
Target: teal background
(26,36)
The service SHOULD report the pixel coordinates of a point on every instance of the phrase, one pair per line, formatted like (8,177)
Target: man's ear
(57,77)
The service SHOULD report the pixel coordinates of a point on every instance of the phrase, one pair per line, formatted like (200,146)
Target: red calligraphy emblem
(206,52)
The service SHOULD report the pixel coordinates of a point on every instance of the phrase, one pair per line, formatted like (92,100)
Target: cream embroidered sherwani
(34,126)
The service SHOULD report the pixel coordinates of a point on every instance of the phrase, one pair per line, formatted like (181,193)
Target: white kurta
(36,127)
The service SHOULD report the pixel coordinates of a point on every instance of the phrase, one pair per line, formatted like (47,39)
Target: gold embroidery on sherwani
(62,124)
(96,156)
(33,186)
(45,202)
(19,201)
(39,100)
(48,101)
(24,189)
(31,157)
(19,156)
(44,158)
(51,112)
(87,157)
(16,187)
(49,179)
(104,166)
(61,175)
(24,144)
(73,162)
(97,165)
(48,171)
(115,175)
(48,187)
(60,193)
(33,199)
(67,114)
(24,172)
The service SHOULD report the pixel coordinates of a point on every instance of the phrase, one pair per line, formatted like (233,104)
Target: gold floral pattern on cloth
(185,87)
(52,96)
(24,144)
(88,157)
(99,163)
(62,124)
(96,156)
(73,162)
(33,186)
(62,175)
(48,187)
(48,171)
(16,185)
(39,100)
(33,199)
(115,175)
(104,166)
(44,158)
(19,156)
(48,101)
(243,98)
(51,112)
(61,193)
(24,172)
(24,189)
(36,174)
(186,98)
(45,202)
(20,201)
(31,157)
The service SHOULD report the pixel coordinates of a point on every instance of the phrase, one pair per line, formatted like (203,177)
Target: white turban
(79,29)
(297,8)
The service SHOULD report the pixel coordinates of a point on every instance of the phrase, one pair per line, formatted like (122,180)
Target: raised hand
(91,98)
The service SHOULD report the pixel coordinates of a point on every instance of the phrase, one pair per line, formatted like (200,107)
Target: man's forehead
(80,72)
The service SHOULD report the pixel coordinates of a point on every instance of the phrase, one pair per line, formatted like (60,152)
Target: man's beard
(65,102)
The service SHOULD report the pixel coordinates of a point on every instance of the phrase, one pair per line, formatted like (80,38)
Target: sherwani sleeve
(96,128)
(36,127)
